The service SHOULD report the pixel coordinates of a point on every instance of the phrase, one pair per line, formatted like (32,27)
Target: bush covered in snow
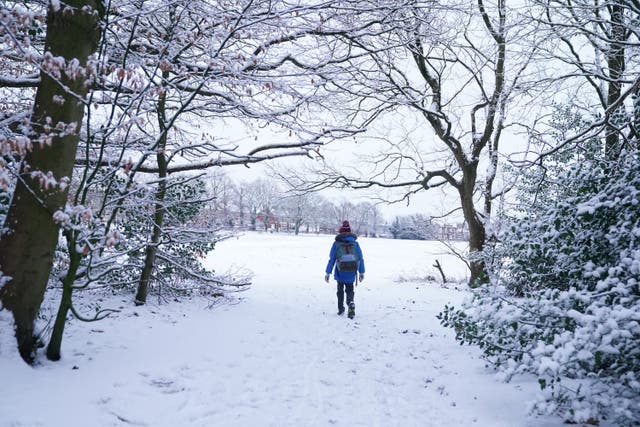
(564,302)
(184,241)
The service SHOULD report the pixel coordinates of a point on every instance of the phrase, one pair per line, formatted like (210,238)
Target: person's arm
(332,261)
(361,264)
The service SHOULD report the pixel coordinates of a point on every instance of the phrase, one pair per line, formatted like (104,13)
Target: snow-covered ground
(280,357)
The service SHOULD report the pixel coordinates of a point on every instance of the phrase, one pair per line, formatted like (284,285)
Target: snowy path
(282,357)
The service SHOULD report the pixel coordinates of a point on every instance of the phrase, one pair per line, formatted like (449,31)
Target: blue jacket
(344,276)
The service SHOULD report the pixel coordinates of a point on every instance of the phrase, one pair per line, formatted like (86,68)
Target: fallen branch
(439,267)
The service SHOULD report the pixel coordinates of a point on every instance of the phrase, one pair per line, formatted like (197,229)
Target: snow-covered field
(280,357)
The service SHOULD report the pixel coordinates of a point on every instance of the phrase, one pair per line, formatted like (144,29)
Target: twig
(439,267)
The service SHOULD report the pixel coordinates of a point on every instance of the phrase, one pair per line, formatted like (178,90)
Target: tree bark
(477,232)
(159,209)
(438,266)
(28,242)
(55,343)
(616,66)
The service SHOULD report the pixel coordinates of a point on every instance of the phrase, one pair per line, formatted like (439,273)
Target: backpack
(347,259)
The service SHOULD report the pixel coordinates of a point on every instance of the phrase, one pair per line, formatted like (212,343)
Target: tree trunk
(438,266)
(156,234)
(636,119)
(28,244)
(477,232)
(55,343)
(478,273)
(616,66)
(159,209)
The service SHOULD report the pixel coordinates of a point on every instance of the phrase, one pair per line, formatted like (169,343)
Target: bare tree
(453,69)
(299,209)
(240,201)
(596,45)
(222,191)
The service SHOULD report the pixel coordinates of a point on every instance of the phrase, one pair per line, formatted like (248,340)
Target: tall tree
(31,231)
(452,69)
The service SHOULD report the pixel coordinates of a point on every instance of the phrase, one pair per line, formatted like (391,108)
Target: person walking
(346,257)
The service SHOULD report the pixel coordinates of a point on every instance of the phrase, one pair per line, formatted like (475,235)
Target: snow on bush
(564,303)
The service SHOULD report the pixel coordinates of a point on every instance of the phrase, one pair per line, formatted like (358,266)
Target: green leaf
(543,383)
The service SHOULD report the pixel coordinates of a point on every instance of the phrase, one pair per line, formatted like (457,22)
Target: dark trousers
(342,289)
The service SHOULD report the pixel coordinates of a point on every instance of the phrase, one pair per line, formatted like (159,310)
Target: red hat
(346,228)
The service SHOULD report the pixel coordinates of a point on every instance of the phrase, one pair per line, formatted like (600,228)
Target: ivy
(563,302)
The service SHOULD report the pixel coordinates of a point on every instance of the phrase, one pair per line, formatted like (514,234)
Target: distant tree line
(422,227)
(264,204)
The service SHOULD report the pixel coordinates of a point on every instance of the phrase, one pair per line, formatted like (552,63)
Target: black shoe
(352,311)
(340,311)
